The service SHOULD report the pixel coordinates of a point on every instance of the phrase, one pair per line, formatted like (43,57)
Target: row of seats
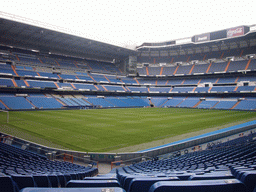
(20,168)
(95,66)
(78,86)
(229,167)
(6,69)
(211,103)
(6,82)
(200,68)
(20,71)
(40,101)
(105,67)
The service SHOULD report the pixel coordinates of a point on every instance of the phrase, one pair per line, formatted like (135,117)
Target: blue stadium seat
(154,70)
(16,102)
(218,67)
(207,104)
(249,179)
(158,101)
(7,184)
(211,176)
(6,82)
(229,185)
(169,70)
(28,169)
(126,180)
(143,184)
(225,104)
(200,68)
(96,189)
(44,102)
(54,180)
(92,183)
(24,181)
(42,181)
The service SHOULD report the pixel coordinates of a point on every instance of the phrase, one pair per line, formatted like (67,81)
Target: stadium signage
(253,28)
(234,32)
(203,37)
(183,41)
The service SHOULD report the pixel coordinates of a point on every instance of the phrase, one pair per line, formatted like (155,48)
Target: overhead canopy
(21,35)
(237,37)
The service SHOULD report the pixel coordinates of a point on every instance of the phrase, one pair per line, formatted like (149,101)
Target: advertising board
(234,32)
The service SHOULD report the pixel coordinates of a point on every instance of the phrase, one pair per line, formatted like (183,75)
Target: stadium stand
(16,103)
(173,102)
(246,104)
(219,166)
(207,104)
(20,169)
(168,70)
(225,84)
(117,102)
(158,101)
(228,166)
(45,102)
(6,83)
(189,102)
(200,68)
(225,104)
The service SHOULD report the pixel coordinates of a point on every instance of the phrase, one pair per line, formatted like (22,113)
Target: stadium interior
(41,69)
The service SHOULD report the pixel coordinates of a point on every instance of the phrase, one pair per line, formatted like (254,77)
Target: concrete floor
(104,168)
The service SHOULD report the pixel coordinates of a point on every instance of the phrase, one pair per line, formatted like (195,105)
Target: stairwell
(198,103)
(4,104)
(235,104)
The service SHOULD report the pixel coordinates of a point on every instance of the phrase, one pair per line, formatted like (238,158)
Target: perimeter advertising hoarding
(203,37)
(234,32)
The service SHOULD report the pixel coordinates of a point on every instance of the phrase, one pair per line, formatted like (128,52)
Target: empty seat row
(229,166)
(23,168)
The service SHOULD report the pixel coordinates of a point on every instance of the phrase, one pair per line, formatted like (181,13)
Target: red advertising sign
(234,32)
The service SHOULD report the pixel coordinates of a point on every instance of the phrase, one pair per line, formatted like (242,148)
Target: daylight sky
(129,23)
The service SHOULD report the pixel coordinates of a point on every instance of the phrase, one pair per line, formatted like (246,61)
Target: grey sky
(131,22)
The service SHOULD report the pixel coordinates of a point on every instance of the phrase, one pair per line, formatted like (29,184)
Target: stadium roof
(21,35)
(236,37)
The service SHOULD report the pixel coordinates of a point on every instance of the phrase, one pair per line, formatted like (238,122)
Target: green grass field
(108,129)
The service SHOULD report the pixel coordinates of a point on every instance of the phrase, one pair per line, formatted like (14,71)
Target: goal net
(4,116)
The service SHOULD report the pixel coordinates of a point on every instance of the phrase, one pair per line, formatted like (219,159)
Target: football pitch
(103,130)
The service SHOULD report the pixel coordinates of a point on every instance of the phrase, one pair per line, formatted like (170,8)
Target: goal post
(2,117)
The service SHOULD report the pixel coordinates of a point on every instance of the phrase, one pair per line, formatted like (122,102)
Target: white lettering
(204,38)
(235,32)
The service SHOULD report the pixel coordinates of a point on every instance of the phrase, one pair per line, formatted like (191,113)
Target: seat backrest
(95,189)
(54,180)
(92,183)
(24,181)
(7,184)
(249,179)
(229,185)
(143,184)
(42,181)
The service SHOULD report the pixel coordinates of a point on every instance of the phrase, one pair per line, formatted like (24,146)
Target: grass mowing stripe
(109,129)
